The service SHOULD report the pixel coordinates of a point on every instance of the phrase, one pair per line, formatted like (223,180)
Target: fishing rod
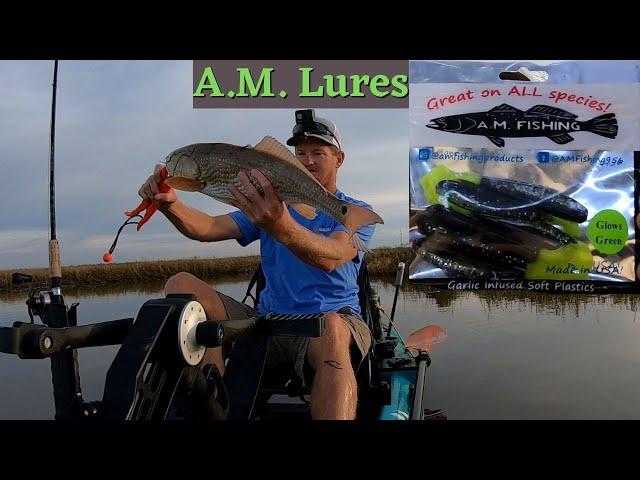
(55,270)
(64,365)
(49,305)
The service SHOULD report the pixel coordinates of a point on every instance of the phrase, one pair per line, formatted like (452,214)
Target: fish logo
(539,121)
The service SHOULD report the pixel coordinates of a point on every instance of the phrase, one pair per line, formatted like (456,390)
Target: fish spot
(344,210)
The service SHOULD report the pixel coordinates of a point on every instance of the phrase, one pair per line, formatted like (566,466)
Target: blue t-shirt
(297,287)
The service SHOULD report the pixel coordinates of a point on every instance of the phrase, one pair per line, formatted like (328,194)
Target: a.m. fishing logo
(539,121)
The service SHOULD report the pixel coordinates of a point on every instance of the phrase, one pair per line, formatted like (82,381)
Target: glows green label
(608,231)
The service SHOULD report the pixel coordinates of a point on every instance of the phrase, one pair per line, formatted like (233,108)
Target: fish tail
(358,217)
(605,125)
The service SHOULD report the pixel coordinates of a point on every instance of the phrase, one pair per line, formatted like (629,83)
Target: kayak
(156,373)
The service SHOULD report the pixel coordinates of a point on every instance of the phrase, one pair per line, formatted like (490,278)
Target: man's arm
(197,225)
(326,253)
(268,213)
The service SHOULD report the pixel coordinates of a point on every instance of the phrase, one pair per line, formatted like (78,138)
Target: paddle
(419,344)
(425,339)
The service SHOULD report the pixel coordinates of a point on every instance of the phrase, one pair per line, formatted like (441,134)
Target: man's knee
(335,330)
(335,340)
(181,282)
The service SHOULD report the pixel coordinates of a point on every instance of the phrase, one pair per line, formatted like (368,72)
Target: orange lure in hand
(147,205)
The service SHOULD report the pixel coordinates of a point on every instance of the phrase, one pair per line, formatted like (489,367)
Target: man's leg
(334,393)
(208,297)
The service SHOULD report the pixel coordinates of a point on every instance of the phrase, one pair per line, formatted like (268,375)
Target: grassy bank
(382,262)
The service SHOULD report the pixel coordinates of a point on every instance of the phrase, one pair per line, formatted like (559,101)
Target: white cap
(321,128)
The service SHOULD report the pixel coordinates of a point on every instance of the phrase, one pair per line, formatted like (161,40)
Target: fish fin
(504,108)
(562,138)
(273,147)
(359,244)
(305,210)
(185,184)
(497,141)
(547,110)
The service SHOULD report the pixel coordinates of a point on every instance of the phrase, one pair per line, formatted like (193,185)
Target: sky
(115,120)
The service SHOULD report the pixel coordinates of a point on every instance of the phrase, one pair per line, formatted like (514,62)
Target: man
(310,266)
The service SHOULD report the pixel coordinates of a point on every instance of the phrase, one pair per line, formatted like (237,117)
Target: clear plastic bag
(520,184)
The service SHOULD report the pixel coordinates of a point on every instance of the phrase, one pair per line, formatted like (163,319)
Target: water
(508,355)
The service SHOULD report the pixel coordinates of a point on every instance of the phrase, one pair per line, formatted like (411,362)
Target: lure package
(524,184)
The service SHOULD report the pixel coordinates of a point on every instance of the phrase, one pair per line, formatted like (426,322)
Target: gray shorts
(289,354)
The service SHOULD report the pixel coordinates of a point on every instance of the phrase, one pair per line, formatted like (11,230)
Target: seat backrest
(369,309)
(259,282)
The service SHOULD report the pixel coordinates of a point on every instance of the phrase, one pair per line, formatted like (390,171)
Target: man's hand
(265,211)
(150,191)
(269,213)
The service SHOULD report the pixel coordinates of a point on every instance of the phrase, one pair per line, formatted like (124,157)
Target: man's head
(318,146)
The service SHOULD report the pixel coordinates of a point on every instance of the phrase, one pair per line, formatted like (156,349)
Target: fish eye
(344,210)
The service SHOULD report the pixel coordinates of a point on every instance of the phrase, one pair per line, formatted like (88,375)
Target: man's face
(320,159)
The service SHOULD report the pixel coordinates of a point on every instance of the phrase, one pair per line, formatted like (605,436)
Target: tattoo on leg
(333,363)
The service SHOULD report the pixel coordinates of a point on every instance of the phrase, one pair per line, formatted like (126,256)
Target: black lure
(499,197)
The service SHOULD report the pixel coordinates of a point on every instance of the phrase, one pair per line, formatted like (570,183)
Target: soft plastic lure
(146,204)
(469,240)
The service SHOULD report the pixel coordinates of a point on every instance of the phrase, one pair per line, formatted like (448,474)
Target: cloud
(21,241)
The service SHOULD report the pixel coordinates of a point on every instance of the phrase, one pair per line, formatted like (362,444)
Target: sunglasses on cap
(306,124)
